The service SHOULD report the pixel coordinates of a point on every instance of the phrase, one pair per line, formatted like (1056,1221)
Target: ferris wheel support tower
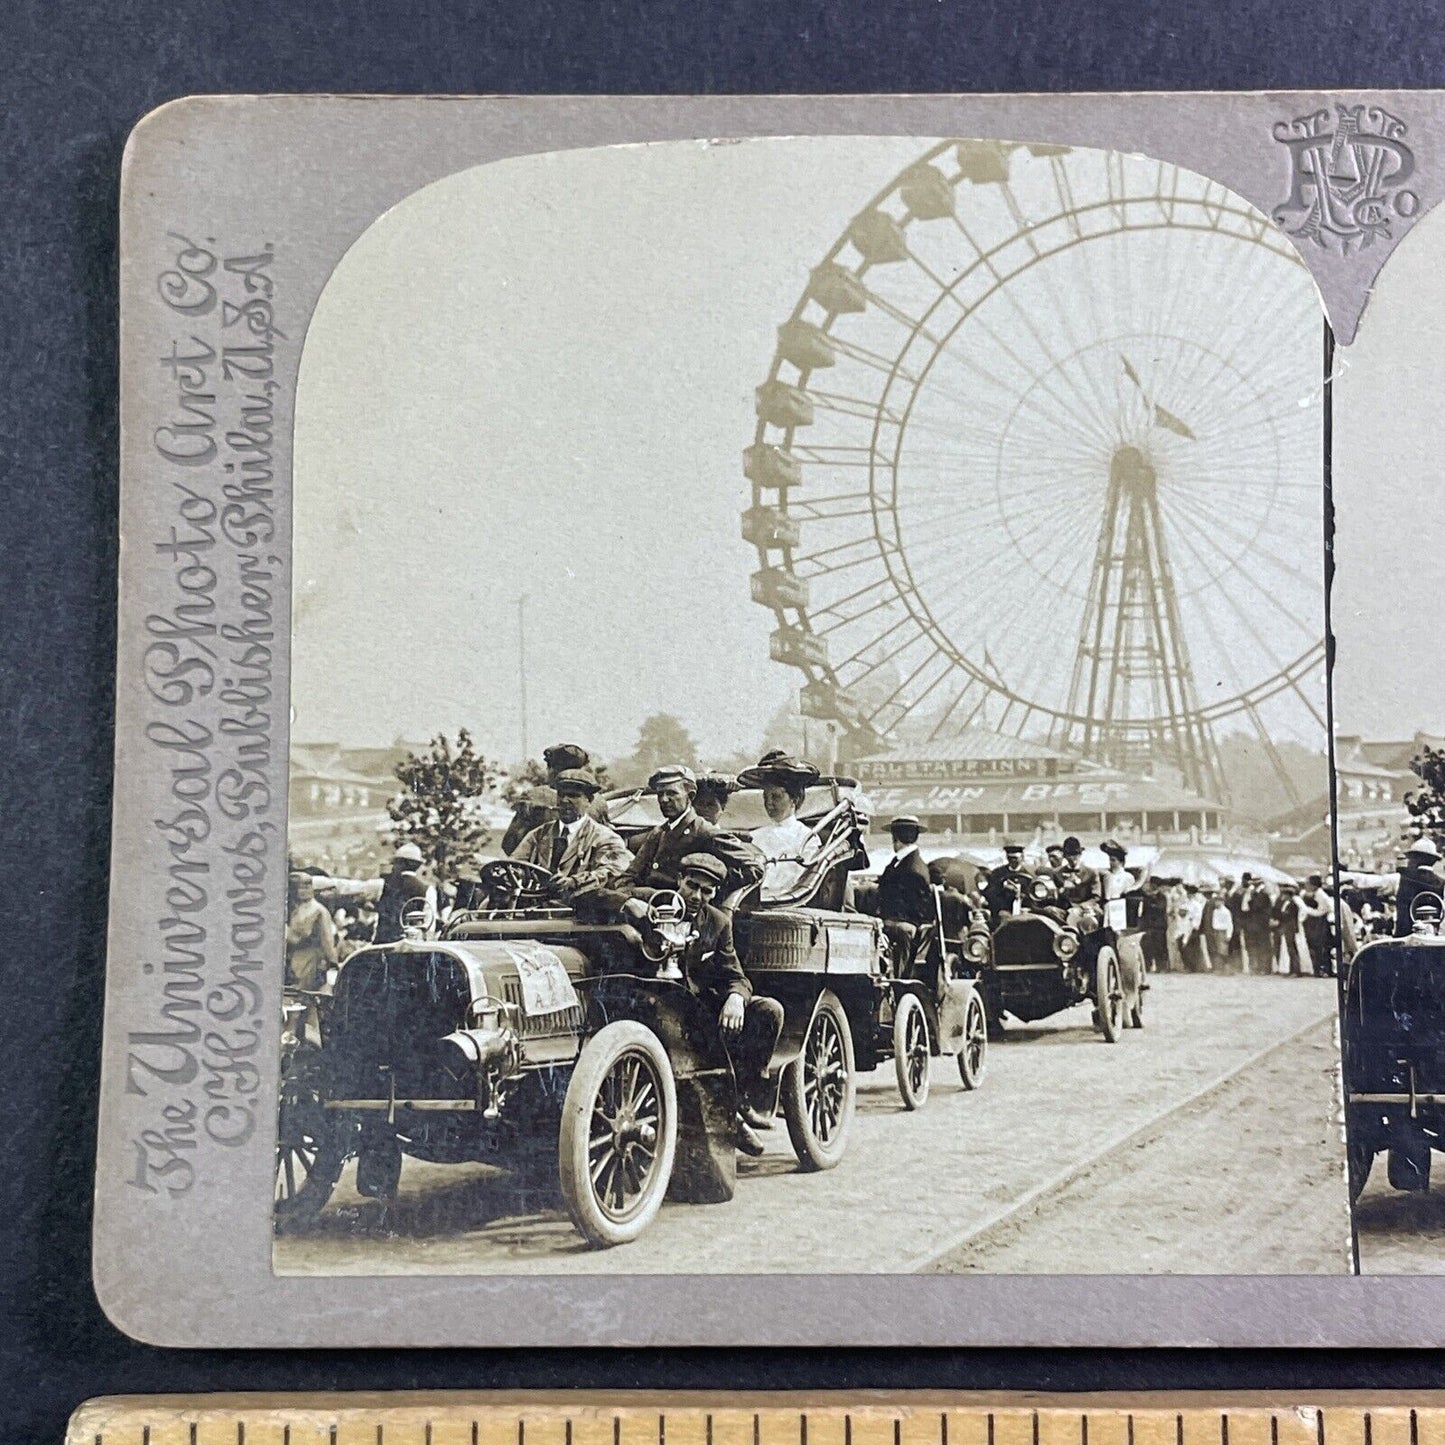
(1133,658)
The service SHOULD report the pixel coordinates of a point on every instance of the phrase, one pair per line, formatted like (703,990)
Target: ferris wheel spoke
(1265,645)
(1211,522)
(1077,405)
(1063,416)
(875,642)
(841,619)
(1090,396)
(894,698)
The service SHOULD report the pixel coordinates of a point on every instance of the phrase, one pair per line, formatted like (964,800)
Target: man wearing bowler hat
(1078,883)
(581,853)
(905,890)
(712,972)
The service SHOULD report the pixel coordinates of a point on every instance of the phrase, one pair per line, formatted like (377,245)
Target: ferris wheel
(1041,450)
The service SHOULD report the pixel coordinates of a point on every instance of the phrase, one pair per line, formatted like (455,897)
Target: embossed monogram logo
(1348,170)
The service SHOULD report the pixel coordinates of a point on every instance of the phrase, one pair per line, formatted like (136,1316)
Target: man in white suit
(581,853)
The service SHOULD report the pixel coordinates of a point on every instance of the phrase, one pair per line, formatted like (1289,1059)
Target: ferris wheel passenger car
(1393,1036)
(1043,960)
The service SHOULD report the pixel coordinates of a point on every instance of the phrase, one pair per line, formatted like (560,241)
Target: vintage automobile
(1393,1037)
(933,1006)
(1047,956)
(925,1006)
(529,1031)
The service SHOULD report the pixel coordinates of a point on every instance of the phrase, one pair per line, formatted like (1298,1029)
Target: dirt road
(1205,1142)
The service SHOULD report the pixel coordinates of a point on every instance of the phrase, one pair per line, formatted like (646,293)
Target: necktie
(559,847)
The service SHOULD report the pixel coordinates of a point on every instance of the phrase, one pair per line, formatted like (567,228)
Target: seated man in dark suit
(662,849)
(711,970)
(905,891)
(1007,888)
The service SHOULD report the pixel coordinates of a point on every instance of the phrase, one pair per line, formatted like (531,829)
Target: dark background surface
(73,79)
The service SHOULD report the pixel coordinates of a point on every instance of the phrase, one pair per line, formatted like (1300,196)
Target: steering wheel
(515,881)
(1426,910)
(666,916)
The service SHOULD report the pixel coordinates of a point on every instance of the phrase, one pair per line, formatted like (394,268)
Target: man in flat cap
(529,813)
(661,851)
(1008,884)
(581,853)
(905,890)
(750,1025)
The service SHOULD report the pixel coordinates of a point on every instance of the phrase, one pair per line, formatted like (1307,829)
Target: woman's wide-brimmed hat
(777,767)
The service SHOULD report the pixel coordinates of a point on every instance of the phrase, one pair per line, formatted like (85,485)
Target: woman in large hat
(786,841)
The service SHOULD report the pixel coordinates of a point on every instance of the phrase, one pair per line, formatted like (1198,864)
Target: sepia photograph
(809,745)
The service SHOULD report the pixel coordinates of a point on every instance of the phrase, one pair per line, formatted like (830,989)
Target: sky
(1389,493)
(535,380)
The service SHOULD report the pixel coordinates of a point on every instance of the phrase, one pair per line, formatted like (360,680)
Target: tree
(438,807)
(661,740)
(1427,805)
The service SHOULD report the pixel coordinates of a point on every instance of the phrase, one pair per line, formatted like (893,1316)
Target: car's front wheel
(1108,995)
(619,1134)
(820,1087)
(973,1055)
(912,1057)
(311,1143)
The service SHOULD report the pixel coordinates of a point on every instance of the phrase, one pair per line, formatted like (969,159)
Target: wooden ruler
(670,1418)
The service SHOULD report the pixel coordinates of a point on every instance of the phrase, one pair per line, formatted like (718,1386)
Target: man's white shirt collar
(904,852)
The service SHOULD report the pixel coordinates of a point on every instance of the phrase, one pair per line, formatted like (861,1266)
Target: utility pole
(522,668)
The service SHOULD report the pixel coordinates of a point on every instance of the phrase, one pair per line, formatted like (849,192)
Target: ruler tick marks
(803,1430)
(1224,1430)
(662,1430)
(1414,1428)
(709,1427)
(617,1430)
(1369,1429)
(1084,1429)
(943,1428)
(1129,1429)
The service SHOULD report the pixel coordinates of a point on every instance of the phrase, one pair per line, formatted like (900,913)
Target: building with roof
(981,786)
(1372,779)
